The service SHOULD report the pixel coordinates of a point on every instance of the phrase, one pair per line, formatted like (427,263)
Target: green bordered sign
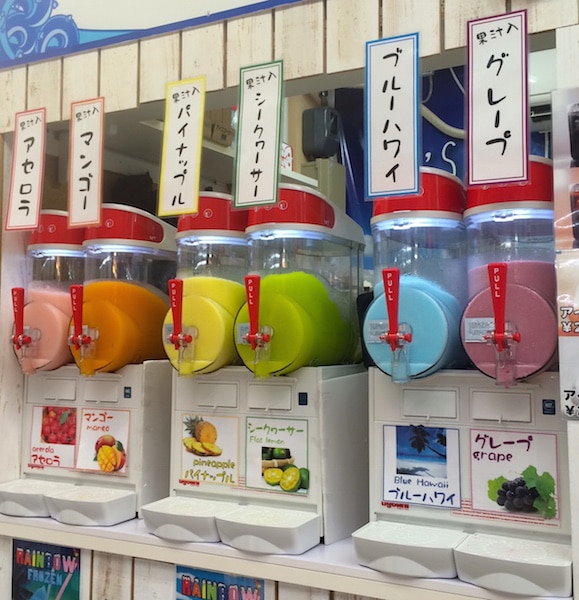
(257,159)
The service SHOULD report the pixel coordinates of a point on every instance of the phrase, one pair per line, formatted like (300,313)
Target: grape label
(514,473)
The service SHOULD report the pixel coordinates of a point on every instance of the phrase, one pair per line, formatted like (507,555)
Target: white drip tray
(407,549)
(26,497)
(91,505)
(185,519)
(269,530)
(514,565)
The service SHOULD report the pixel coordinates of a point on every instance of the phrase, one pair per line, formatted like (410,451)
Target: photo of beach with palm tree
(421,451)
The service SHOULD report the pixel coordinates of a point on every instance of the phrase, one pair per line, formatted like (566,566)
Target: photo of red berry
(58,425)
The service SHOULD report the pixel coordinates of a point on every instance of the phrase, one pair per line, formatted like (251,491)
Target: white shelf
(217,165)
(332,567)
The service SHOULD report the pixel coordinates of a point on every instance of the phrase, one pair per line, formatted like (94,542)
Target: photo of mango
(110,454)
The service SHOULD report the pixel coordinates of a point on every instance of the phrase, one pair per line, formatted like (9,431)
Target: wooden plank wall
(319,41)
(315,38)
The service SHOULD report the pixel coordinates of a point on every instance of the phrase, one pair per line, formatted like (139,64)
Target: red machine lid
(538,188)
(53,231)
(439,190)
(120,222)
(296,204)
(215,212)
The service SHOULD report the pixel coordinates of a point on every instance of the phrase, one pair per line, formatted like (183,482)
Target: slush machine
(258,453)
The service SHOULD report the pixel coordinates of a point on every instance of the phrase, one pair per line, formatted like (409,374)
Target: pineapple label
(52,437)
(277,455)
(103,441)
(209,450)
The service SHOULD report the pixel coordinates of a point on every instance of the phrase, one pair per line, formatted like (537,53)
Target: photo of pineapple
(202,437)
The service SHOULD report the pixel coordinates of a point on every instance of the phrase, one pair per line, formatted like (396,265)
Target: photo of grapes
(529,493)
(421,451)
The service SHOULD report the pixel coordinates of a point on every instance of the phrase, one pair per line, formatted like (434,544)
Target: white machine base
(26,497)
(514,565)
(269,530)
(183,519)
(406,549)
(92,506)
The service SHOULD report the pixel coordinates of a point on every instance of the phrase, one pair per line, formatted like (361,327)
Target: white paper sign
(498,112)
(275,443)
(52,437)
(422,466)
(25,196)
(205,462)
(258,134)
(524,459)
(182,146)
(85,166)
(392,116)
(104,440)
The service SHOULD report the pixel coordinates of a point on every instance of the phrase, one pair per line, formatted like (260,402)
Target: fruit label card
(209,450)
(52,437)
(103,441)
(514,473)
(422,465)
(277,455)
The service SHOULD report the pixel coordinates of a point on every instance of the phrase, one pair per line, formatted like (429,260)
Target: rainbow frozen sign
(32,30)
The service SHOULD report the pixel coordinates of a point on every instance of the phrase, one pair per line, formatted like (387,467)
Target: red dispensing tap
(181,340)
(504,336)
(398,336)
(20,339)
(258,339)
(79,338)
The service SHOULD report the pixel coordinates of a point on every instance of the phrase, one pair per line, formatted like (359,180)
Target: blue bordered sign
(392,111)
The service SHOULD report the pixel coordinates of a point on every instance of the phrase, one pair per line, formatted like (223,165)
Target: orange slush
(128,318)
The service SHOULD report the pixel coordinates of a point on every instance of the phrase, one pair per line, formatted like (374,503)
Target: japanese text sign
(524,458)
(85,162)
(216,464)
(392,111)
(182,146)
(104,440)
(258,152)
(25,196)
(498,115)
(421,466)
(272,442)
(52,437)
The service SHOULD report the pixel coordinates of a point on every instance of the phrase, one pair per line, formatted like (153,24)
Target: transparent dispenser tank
(510,227)
(118,314)
(307,256)
(55,257)
(211,266)
(412,330)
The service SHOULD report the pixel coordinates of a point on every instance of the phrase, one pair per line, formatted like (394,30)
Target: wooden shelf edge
(331,567)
